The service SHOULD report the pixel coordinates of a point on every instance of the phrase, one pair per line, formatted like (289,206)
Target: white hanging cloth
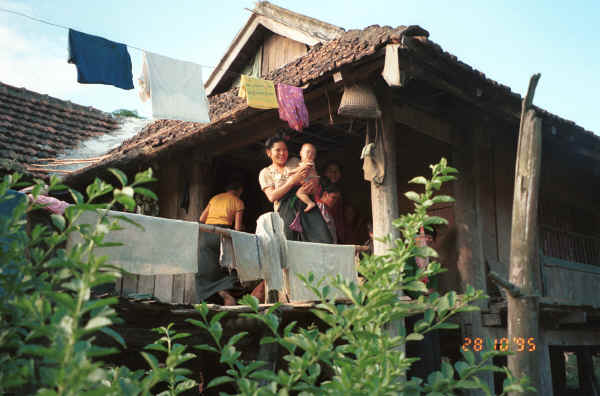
(175,87)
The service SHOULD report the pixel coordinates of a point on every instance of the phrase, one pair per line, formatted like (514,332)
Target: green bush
(48,322)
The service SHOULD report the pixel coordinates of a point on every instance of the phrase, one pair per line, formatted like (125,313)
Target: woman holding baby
(291,184)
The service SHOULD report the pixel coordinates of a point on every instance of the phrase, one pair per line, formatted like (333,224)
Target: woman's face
(333,173)
(278,153)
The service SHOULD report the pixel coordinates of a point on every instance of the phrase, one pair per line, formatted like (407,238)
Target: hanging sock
(176,88)
(100,61)
(259,93)
(292,107)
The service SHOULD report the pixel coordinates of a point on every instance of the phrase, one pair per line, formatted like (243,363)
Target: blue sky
(507,40)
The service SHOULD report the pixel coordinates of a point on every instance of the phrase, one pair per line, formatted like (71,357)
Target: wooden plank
(163,287)
(523,312)
(279,51)
(146,284)
(286,31)
(392,74)
(504,155)
(130,282)
(423,122)
(189,287)
(178,289)
(485,193)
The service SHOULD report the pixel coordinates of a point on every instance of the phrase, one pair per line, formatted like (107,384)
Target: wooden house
(433,105)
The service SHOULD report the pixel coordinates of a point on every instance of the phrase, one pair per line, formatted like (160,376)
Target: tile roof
(321,61)
(350,47)
(35,126)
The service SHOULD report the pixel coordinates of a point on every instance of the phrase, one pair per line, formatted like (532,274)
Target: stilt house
(432,106)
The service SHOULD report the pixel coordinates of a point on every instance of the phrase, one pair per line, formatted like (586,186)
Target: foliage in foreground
(49,323)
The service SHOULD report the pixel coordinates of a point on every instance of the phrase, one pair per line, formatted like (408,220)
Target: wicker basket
(359,101)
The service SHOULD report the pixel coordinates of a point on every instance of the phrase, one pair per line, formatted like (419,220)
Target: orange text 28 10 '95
(518,344)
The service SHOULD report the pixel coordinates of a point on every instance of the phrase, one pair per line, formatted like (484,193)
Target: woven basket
(359,101)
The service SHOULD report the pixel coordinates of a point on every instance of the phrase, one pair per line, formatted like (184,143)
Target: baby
(308,153)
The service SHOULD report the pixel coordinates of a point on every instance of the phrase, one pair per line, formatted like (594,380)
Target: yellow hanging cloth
(260,93)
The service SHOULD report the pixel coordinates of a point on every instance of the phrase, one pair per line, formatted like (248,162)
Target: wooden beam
(523,311)
(286,31)
(384,196)
(393,75)
(423,122)
(573,318)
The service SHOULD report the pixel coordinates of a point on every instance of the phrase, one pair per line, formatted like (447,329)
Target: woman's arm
(204,215)
(275,194)
(239,216)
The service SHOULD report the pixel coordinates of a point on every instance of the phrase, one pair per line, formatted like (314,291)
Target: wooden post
(523,311)
(384,197)
(470,263)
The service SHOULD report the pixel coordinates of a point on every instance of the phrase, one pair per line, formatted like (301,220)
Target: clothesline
(67,28)
(176,87)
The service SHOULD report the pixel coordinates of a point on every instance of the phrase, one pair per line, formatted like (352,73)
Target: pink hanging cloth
(292,107)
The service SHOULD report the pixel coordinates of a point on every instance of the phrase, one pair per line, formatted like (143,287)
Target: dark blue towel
(100,61)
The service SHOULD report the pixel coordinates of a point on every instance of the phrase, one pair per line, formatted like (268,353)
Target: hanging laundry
(323,260)
(100,61)
(144,83)
(176,88)
(161,247)
(292,107)
(259,93)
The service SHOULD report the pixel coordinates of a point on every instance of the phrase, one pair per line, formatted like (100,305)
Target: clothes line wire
(67,28)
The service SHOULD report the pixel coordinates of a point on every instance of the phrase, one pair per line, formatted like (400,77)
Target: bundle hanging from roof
(359,101)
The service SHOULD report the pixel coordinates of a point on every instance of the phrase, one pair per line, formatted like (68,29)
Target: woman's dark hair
(234,185)
(332,188)
(332,162)
(274,139)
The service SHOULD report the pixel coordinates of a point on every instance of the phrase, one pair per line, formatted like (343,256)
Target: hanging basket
(359,101)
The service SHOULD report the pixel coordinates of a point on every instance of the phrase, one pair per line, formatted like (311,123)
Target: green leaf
(185,385)
(63,299)
(146,193)
(119,175)
(219,381)
(97,322)
(58,221)
(442,198)
(418,180)
(413,196)
(77,197)
(156,347)
(126,201)
(204,347)
(114,335)
(414,337)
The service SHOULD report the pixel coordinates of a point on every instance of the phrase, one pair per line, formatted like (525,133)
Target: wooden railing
(570,246)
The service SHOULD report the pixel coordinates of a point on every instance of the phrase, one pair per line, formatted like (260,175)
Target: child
(308,153)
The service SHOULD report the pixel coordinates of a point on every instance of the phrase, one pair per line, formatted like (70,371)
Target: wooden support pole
(523,311)
(470,261)
(384,196)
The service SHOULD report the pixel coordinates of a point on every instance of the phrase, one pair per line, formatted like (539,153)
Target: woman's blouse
(271,177)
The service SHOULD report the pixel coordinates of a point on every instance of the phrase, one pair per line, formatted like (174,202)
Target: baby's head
(308,152)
